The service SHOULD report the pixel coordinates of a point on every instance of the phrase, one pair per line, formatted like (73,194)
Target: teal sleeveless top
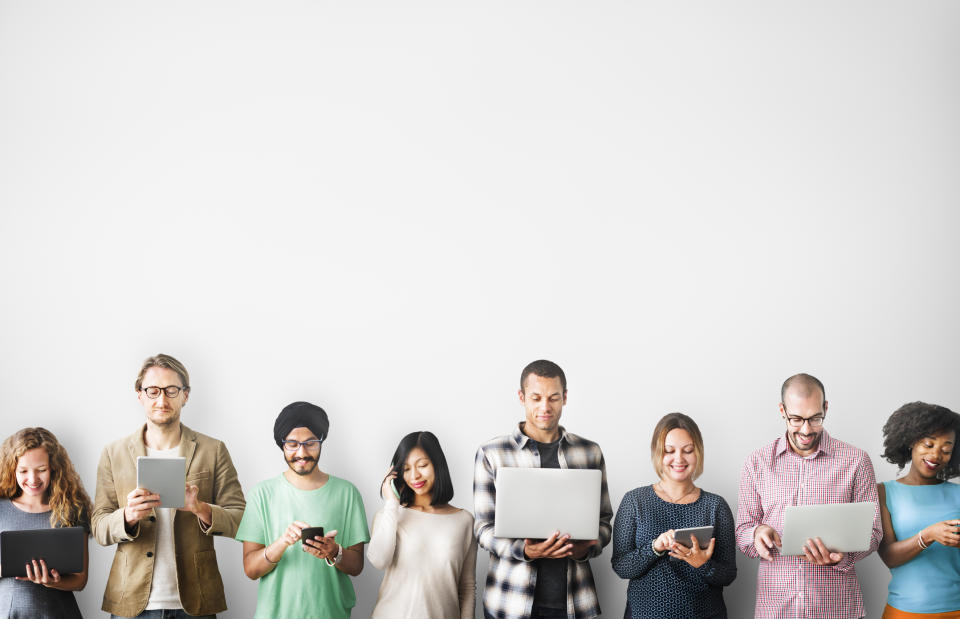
(930,582)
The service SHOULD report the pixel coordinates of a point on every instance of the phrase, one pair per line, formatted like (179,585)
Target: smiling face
(162,411)
(33,472)
(418,473)
(303,461)
(932,454)
(679,456)
(803,406)
(543,400)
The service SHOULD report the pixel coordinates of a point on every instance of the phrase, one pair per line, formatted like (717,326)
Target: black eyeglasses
(797,422)
(312,444)
(171,392)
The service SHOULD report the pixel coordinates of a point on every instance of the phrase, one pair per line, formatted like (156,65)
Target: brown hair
(163,361)
(69,504)
(675,421)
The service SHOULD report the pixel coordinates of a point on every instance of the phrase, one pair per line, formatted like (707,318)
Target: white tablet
(842,527)
(164,476)
(533,503)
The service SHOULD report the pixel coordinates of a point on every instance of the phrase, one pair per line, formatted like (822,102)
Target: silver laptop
(533,503)
(842,527)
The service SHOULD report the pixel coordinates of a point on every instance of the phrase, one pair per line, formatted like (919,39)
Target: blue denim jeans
(167,613)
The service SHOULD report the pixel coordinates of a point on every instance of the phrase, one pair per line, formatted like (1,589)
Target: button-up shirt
(512,578)
(774,477)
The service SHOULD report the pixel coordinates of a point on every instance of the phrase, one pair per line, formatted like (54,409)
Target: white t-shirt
(163,591)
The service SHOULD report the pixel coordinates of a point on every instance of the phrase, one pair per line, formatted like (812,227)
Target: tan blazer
(198,579)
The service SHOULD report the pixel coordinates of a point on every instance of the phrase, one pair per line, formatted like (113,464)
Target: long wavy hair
(69,504)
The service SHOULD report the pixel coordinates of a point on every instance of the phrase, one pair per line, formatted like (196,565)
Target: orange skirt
(889,612)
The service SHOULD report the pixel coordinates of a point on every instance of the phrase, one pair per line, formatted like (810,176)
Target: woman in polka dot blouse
(668,578)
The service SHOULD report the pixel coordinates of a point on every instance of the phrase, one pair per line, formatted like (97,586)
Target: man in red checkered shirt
(802,467)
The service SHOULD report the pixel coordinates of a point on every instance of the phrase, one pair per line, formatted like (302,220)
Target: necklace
(677,499)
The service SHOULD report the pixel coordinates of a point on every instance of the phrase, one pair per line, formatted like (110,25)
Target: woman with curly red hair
(39,488)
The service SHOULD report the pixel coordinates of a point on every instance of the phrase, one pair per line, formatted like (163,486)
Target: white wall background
(389,208)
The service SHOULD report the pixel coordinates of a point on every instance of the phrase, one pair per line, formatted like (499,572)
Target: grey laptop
(842,527)
(61,549)
(164,476)
(533,503)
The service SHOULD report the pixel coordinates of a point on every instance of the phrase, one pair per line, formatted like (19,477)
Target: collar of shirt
(522,439)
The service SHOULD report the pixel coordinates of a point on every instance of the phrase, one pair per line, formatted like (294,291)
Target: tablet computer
(533,503)
(703,535)
(842,527)
(164,476)
(61,548)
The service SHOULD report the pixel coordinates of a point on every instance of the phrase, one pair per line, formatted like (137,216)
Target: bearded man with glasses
(802,467)
(165,565)
(304,530)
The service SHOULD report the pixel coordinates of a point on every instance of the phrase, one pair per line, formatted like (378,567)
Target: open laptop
(61,548)
(533,503)
(842,527)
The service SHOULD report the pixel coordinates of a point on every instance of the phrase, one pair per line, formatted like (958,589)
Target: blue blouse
(930,582)
(661,586)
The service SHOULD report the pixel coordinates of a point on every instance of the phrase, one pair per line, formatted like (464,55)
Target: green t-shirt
(302,585)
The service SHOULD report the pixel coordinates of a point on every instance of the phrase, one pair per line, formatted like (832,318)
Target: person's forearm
(256,565)
(70,582)
(352,562)
(900,551)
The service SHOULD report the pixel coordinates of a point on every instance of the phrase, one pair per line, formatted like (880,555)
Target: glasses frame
(308,444)
(815,421)
(164,390)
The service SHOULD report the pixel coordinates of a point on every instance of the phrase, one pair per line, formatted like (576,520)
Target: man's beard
(308,467)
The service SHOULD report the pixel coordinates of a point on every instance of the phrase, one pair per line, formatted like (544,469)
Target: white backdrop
(389,208)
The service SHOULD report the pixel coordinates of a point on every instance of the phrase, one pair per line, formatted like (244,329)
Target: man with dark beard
(314,582)
(165,562)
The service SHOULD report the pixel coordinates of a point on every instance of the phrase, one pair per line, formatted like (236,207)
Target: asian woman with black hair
(424,545)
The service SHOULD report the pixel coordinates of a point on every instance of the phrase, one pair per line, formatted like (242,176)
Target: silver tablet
(61,549)
(533,503)
(703,535)
(842,527)
(164,476)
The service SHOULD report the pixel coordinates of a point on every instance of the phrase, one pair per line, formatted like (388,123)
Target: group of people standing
(165,566)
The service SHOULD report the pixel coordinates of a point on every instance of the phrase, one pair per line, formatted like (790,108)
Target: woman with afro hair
(920,513)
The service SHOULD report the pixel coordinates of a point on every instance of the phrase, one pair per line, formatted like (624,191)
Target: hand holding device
(389,486)
(946,533)
(323,546)
(817,553)
(554,547)
(695,554)
(38,573)
(140,502)
(764,540)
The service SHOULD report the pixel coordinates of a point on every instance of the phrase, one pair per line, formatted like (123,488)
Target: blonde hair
(163,361)
(675,421)
(69,504)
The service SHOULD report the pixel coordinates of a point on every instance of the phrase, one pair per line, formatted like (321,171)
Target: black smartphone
(310,533)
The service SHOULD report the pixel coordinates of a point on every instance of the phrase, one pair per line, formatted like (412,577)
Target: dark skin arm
(557,547)
(894,552)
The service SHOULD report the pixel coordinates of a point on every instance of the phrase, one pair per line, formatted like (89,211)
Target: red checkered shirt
(774,477)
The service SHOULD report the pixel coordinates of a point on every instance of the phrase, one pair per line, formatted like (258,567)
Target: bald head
(802,386)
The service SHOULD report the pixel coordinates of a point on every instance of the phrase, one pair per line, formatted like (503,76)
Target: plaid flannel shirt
(512,578)
(774,477)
